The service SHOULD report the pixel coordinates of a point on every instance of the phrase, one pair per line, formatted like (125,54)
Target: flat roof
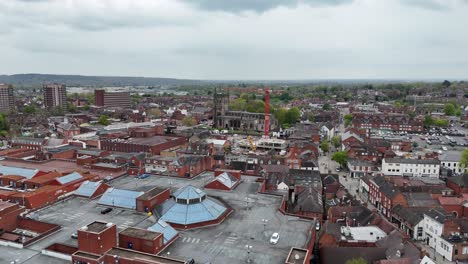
(151,141)
(96,227)
(141,233)
(296,256)
(365,233)
(131,254)
(151,193)
(86,255)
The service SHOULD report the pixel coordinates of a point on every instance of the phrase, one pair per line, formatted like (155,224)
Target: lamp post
(264,221)
(248,247)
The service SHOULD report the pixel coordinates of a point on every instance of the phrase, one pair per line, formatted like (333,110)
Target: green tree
(238,104)
(326,106)
(450,109)
(441,123)
(4,126)
(336,141)
(311,117)
(464,159)
(292,115)
(348,118)
(356,261)
(280,115)
(71,108)
(154,113)
(341,157)
(189,121)
(104,120)
(30,109)
(428,121)
(325,146)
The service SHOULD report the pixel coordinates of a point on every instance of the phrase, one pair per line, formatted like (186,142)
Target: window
(420,231)
(465,250)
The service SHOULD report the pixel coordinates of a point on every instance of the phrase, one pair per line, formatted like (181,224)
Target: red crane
(266,126)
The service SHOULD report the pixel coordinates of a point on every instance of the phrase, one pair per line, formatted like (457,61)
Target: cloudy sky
(237,39)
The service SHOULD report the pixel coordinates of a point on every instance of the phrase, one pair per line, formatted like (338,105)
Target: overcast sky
(237,39)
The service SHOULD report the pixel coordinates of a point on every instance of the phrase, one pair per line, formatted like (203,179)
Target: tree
(441,123)
(189,121)
(348,118)
(4,126)
(292,115)
(428,121)
(450,109)
(325,146)
(341,157)
(154,112)
(359,260)
(71,108)
(30,109)
(464,160)
(336,141)
(311,117)
(326,106)
(103,120)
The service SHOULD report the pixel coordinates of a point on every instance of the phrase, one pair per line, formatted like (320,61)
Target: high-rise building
(112,99)
(55,95)
(7,100)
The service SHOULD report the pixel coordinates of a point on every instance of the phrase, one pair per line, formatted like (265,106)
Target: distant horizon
(254,80)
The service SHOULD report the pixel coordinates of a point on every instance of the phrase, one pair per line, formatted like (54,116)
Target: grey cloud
(435,5)
(258,5)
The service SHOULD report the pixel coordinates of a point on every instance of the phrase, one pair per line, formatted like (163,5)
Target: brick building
(152,145)
(7,100)
(55,95)
(141,240)
(112,99)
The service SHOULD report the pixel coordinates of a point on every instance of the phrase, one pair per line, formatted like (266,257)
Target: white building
(411,167)
(434,226)
(451,160)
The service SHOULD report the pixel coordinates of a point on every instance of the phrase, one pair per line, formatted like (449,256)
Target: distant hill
(35,80)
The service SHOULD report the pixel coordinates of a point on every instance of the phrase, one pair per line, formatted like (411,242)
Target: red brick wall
(69,154)
(88,260)
(8,218)
(147,246)
(217,186)
(97,243)
(152,202)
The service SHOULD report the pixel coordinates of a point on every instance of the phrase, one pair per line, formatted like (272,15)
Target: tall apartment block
(55,95)
(7,100)
(109,99)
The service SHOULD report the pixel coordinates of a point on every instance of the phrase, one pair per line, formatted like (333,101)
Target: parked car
(106,210)
(317,226)
(274,239)
(338,169)
(74,236)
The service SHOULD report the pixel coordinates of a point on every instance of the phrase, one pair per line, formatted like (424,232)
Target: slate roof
(411,215)
(227,179)
(420,199)
(27,173)
(69,178)
(339,255)
(167,230)
(120,198)
(461,180)
(309,200)
(438,214)
(412,161)
(87,188)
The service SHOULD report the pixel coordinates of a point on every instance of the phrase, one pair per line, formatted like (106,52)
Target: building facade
(114,99)
(7,101)
(55,95)
(411,167)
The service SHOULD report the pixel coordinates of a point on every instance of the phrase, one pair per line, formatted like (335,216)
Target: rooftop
(296,256)
(141,233)
(97,227)
(130,254)
(363,233)
(151,193)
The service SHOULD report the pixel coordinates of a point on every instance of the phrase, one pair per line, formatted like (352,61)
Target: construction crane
(252,145)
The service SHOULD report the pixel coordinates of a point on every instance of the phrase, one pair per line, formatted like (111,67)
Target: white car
(444,148)
(274,239)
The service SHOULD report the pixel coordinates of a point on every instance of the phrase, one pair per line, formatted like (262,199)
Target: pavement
(75,213)
(227,242)
(436,257)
